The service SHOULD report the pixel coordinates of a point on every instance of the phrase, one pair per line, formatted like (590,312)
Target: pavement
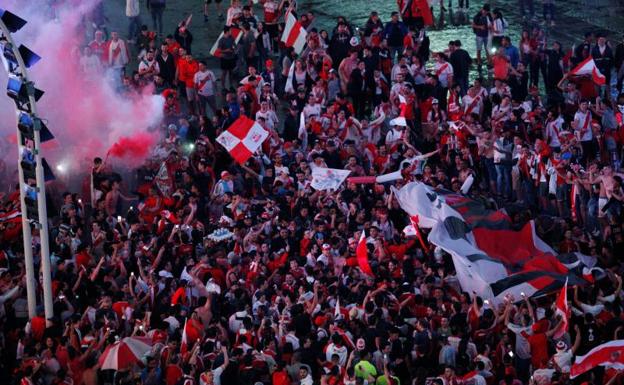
(573,19)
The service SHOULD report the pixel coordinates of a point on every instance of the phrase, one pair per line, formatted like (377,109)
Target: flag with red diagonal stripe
(588,68)
(400,120)
(562,309)
(294,34)
(610,354)
(243,138)
(361,253)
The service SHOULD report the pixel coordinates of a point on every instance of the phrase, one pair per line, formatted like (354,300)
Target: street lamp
(32,168)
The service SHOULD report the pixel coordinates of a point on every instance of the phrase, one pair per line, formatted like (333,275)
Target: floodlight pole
(41,200)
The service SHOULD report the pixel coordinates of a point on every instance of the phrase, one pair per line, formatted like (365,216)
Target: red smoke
(86,116)
(136,146)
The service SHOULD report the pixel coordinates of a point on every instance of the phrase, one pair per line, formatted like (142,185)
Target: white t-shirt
(444,72)
(144,65)
(216,374)
(269,117)
(583,126)
(205,83)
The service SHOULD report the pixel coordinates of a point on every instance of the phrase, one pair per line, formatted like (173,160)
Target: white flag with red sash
(610,355)
(400,120)
(243,138)
(294,34)
(588,68)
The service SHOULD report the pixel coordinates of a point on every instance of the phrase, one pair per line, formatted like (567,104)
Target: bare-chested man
(608,186)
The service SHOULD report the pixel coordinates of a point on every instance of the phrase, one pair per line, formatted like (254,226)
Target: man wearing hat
(224,185)
(268,75)
(397,132)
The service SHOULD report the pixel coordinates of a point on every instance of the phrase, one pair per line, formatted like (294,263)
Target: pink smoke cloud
(87,117)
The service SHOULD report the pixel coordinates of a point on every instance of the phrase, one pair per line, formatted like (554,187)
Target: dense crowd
(245,274)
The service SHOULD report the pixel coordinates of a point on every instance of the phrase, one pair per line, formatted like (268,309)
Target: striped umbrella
(125,353)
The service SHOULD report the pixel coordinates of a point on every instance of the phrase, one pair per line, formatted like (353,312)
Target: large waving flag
(610,355)
(242,138)
(294,34)
(491,257)
(588,67)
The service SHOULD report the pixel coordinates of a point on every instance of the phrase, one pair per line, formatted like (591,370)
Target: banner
(328,178)
(492,258)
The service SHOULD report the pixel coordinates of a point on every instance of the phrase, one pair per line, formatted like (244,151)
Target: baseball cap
(224,174)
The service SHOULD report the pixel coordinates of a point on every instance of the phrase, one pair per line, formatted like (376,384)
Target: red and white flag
(414,221)
(236,34)
(400,120)
(561,308)
(243,138)
(361,253)
(185,339)
(163,180)
(168,215)
(468,377)
(294,34)
(491,256)
(337,308)
(588,67)
(345,337)
(610,355)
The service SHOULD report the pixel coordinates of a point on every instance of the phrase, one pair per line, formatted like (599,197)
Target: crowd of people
(245,274)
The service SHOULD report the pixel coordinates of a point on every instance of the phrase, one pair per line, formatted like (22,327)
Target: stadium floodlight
(48,175)
(27,125)
(13,22)
(44,133)
(10,61)
(31,132)
(30,58)
(19,91)
(30,198)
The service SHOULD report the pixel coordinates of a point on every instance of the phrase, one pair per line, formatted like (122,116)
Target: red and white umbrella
(125,353)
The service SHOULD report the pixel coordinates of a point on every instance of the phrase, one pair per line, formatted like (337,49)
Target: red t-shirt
(37,327)
(172,374)
(186,72)
(500,67)
(281,378)
(539,349)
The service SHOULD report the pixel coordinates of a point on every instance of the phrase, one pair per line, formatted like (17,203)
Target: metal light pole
(42,222)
